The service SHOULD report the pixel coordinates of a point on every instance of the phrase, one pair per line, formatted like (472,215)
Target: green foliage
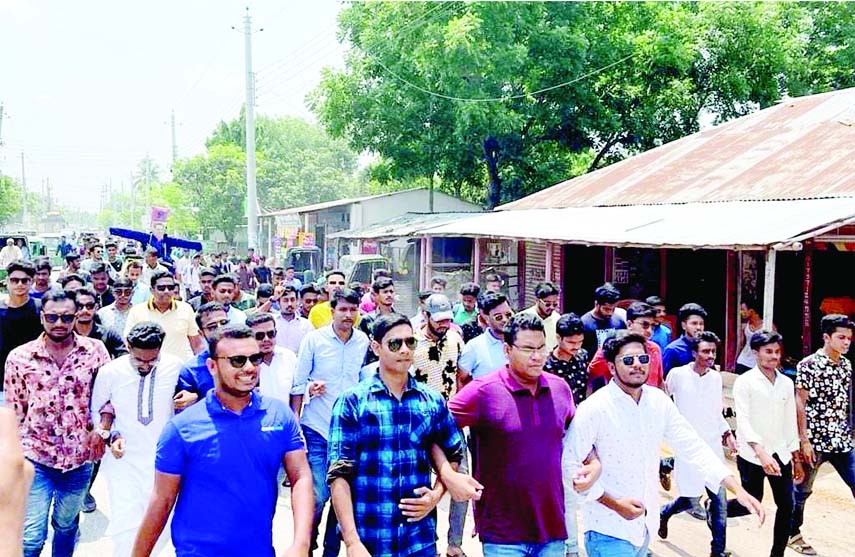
(518,96)
(11,193)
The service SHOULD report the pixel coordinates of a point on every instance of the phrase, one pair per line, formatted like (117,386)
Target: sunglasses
(217,325)
(65,317)
(642,359)
(87,305)
(166,287)
(123,291)
(396,343)
(240,361)
(259,336)
(20,280)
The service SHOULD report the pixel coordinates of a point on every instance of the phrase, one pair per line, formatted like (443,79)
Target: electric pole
(174,144)
(251,197)
(24,216)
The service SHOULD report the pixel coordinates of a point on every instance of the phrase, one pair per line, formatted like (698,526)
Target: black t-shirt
(18,326)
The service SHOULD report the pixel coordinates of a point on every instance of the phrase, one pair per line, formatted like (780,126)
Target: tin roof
(723,225)
(334,203)
(402,226)
(800,148)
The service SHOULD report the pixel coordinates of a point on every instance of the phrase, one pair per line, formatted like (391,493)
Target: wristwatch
(103,433)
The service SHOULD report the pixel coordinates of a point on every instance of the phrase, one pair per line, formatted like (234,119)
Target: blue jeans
(844,463)
(716,518)
(601,545)
(316,446)
(457,512)
(548,549)
(66,490)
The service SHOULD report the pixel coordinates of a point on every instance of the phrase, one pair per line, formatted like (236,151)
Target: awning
(402,226)
(720,225)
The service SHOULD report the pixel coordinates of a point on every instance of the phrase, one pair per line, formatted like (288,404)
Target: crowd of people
(200,390)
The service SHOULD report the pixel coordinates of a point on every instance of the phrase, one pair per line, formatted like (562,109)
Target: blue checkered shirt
(381,446)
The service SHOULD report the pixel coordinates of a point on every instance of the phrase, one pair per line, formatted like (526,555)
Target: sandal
(798,544)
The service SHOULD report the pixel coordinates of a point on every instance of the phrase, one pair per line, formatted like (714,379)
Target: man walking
(48,384)
(237,434)
(321,313)
(87,326)
(546,307)
(278,365)
(486,352)
(224,291)
(824,403)
(139,388)
(328,364)
(115,315)
(19,313)
(384,300)
(291,328)
(206,284)
(568,360)
(41,280)
(372,438)
(679,352)
(601,321)
(195,380)
(661,331)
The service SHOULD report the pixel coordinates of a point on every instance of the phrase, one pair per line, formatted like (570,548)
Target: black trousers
(751,475)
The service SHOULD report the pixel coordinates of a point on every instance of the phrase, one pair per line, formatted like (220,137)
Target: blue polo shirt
(228,465)
(676,354)
(195,377)
(661,335)
(483,354)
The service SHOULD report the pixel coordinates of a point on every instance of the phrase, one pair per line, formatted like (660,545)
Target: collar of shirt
(330,333)
(41,351)
(172,305)
(376,385)
(825,360)
(514,386)
(216,407)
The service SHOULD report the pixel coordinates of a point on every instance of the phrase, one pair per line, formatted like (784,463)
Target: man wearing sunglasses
(19,314)
(486,352)
(546,307)
(115,315)
(135,423)
(176,317)
(48,385)
(328,364)
(640,319)
(276,371)
(86,324)
(195,380)
(385,427)
(626,422)
(217,463)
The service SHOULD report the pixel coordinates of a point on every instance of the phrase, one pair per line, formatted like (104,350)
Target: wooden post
(476,261)
(663,274)
(769,288)
(807,286)
(608,264)
(731,310)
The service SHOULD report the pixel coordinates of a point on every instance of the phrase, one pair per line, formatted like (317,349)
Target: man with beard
(48,384)
(206,283)
(435,365)
(115,315)
(242,436)
(626,422)
(101,284)
(291,328)
(384,300)
(546,307)
(224,291)
(113,259)
(601,321)
(19,314)
(41,280)
(195,380)
(374,434)
(485,353)
(279,365)
(328,364)
(135,423)
(309,295)
(679,352)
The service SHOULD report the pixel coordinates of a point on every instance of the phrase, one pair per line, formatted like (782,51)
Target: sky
(88,87)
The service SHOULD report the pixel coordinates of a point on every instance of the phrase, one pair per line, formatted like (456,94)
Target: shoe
(89,505)
(798,544)
(698,511)
(663,527)
(665,480)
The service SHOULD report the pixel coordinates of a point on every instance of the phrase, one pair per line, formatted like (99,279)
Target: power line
(496,99)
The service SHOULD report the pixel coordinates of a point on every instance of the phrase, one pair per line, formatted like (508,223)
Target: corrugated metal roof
(801,148)
(724,225)
(402,226)
(335,203)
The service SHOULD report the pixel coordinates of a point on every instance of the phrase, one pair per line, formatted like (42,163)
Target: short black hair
(134,264)
(123,282)
(654,301)
(288,268)
(111,245)
(288,289)
(236,331)
(569,325)
(639,309)
(764,337)
(57,295)
(385,323)
(151,250)
(345,294)
(98,268)
(382,283)
(425,294)
(613,344)
(488,301)
(470,289)
(439,280)
(750,303)
(492,277)
(545,289)
(334,272)
(158,275)
(356,286)
(264,290)
(21,265)
(207,272)
(260,317)
(72,257)
(225,278)
(703,336)
(606,294)
(42,264)
(205,309)
(310,288)
(834,321)
(690,309)
(71,278)
(86,290)
(522,322)
(146,335)
(381,273)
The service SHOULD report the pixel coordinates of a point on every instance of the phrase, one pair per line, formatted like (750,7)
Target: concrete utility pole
(24,216)
(251,197)
(174,144)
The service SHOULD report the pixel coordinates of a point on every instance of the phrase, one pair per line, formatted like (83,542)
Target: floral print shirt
(827,408)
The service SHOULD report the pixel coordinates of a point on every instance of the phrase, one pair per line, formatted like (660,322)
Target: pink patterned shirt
(51,401)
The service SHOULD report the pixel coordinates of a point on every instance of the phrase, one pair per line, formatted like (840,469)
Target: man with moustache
(309,296)
(115,315)
(291,328)
(679,352)
(206,283)
(374,436)
(328,364)
(86,325)
(237,434)
(195,380)
(19,313)
(546,307)
(278,365)
(384,299)
(41,280)
(626,422)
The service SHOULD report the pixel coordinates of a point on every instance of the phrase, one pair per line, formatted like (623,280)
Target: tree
(519,96)
(11,193)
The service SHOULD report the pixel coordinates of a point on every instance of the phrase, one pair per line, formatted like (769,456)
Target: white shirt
(277,379)
(746,355)
(549,325)
(289,334)
(236,316)
(698,398)
(765,414)
(627,436)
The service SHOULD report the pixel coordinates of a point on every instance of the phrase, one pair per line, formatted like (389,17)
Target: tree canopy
(519,96)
